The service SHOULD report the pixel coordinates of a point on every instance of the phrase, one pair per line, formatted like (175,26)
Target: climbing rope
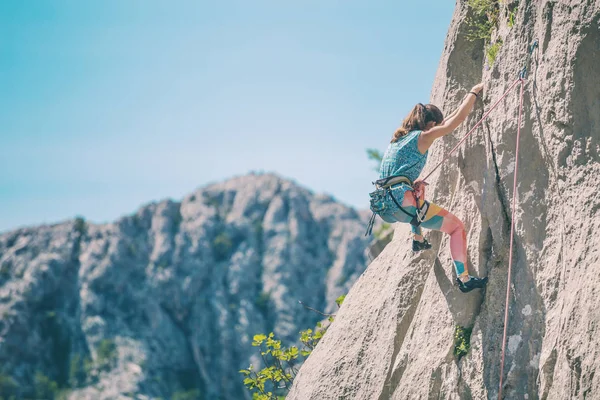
(522,77)
(512,234)
(521,80)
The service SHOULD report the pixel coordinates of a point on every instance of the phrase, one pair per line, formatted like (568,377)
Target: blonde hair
(418,118)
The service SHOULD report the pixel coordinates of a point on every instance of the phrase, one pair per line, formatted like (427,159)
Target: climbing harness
(383,188)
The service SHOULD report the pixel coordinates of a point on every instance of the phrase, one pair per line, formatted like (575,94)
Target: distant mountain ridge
(166,300)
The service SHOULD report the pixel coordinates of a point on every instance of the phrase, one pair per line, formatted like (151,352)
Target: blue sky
(108,105)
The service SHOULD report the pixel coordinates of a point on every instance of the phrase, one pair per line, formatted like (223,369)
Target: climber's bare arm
(427,138)
(452,114)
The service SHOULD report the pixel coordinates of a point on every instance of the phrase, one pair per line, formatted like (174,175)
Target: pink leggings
(438,219)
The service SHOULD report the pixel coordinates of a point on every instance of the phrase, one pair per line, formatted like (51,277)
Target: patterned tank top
(403,158)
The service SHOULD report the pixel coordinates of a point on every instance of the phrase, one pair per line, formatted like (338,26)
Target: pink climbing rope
(472,129)
(512,233)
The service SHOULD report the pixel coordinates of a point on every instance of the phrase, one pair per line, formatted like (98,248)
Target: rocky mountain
(395,336)
(163,303)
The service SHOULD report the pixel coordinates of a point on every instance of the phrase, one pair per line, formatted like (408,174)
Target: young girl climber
(401,165)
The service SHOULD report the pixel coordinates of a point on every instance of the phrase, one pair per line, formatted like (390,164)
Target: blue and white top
(402,158)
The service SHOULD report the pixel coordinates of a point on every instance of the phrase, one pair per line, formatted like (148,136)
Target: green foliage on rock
(511,18)
(222,246)
(88,366)
(45,388)
(462,341)
(486,16)
(8,387)
(484,19)
(281,364)
(492,50)
(80,226)
(80,370)
(106,355)
(278,373)
(310,338)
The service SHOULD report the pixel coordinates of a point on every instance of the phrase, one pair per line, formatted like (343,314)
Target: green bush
(8,387)
(79,370)
(479,29)
(484,19)
(44,387)
(275,379)
(462,341)
(88,367)
(511,19)
(80,225)
(483,7)
(107,355)
(222,246)
(492,51)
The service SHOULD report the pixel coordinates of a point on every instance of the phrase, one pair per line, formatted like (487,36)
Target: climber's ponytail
(418,118)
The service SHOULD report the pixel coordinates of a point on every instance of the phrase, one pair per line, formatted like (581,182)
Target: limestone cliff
(164,303)
(393,336)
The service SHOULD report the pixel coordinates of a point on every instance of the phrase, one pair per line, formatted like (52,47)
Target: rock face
(165,302)
(393,337)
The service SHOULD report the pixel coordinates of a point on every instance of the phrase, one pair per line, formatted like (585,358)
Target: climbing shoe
(472,283)
(418,246)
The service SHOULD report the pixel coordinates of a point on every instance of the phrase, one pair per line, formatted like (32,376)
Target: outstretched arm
(452,122)
(452,114)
